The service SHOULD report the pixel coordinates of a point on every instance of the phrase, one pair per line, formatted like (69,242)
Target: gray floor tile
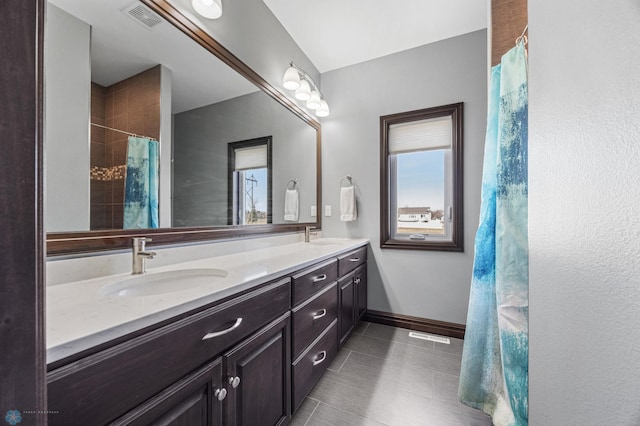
(382,378)
(341,357)
(369,346)
(303,413)
(445,386)
(326,415)
(395,334)
(454,346)
(426,358)
(361,327)
(364,397)
(389,374)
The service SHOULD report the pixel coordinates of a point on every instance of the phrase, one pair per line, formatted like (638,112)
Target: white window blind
(434,133)
(254,157)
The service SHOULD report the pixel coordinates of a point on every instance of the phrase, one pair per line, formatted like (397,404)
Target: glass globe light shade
(323,111)
(291,79)
(211,9)
(314,100)
(303,93)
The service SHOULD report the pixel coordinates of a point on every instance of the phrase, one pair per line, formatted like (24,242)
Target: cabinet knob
(234,381)
(220,394)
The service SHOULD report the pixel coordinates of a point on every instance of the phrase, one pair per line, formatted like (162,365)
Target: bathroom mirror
(116,68)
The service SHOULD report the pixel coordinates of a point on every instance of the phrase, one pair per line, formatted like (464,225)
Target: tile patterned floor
(384,377)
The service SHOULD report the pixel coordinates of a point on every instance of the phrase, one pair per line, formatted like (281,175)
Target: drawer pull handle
(319,314)
(320,358)
(220,394)
(223,332)
(354,259)
(234,381)
(320,278)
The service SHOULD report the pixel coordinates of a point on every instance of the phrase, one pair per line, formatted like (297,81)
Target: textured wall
(432,285)
(584,222)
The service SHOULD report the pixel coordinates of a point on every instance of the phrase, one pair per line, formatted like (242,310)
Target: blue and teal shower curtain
(141,186)
(495,370)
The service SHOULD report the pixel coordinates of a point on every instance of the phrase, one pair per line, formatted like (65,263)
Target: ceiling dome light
(314,100)
(291,79)
(211,9)
(323,110)
(303,93)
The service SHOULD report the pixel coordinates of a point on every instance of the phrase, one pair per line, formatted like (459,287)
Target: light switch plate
(327,210)
(314,211)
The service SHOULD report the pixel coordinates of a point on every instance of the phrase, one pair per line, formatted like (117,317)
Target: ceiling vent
(142,15)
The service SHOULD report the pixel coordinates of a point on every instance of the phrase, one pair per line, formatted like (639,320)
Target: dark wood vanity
(249,359)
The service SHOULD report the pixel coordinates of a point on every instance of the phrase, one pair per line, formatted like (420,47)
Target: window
(421,179)
(249,182)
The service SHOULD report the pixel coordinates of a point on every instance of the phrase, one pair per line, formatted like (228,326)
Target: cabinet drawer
(310,366)
(312,317)
(350,261)
(98,388)
(308,281)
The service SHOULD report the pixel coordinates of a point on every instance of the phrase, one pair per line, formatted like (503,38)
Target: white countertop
(79,318)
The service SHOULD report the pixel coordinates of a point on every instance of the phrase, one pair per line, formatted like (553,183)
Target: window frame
(455,111)
(231,183)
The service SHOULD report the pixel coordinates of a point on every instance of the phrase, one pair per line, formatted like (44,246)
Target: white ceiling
(337,33)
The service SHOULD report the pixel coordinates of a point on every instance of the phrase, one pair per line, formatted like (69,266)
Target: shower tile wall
(131,105)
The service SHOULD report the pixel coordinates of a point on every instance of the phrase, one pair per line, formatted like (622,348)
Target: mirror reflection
(145,128)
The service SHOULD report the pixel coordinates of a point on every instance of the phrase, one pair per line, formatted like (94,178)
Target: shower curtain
(141,185)
(494,375)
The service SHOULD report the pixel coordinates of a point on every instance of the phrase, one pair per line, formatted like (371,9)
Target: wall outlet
(327,210)
(314,211)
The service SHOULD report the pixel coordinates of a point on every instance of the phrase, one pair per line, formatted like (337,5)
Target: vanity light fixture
(210,9)
(295,78)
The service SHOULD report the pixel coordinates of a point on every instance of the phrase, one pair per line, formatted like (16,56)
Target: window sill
(423,245)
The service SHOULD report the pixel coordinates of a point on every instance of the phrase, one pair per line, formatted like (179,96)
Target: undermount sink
(156,283)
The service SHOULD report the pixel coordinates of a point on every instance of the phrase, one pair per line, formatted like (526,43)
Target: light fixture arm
(307,77)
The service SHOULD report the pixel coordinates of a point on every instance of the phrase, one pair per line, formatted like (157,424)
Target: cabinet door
(258,378)
(346,299)
(192,401)
(361,291)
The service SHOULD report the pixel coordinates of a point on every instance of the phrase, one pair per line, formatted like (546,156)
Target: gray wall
(432,285)
(584,224)
(200,159)
(67,108)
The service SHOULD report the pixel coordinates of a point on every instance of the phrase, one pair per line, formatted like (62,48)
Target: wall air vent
(142,15)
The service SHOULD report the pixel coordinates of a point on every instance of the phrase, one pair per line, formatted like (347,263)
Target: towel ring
(291,185)
(348,179)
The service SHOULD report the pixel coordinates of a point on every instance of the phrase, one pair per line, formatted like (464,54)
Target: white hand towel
(291,205)
(348,211)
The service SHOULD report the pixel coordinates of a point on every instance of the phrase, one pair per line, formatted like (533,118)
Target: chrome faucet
(308,233)
(140,254)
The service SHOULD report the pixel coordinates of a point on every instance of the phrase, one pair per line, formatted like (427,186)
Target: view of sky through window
(420,181)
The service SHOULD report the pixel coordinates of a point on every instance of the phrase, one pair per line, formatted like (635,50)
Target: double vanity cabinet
(249,359)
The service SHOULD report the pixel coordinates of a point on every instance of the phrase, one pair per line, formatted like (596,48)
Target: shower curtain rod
(122,131)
